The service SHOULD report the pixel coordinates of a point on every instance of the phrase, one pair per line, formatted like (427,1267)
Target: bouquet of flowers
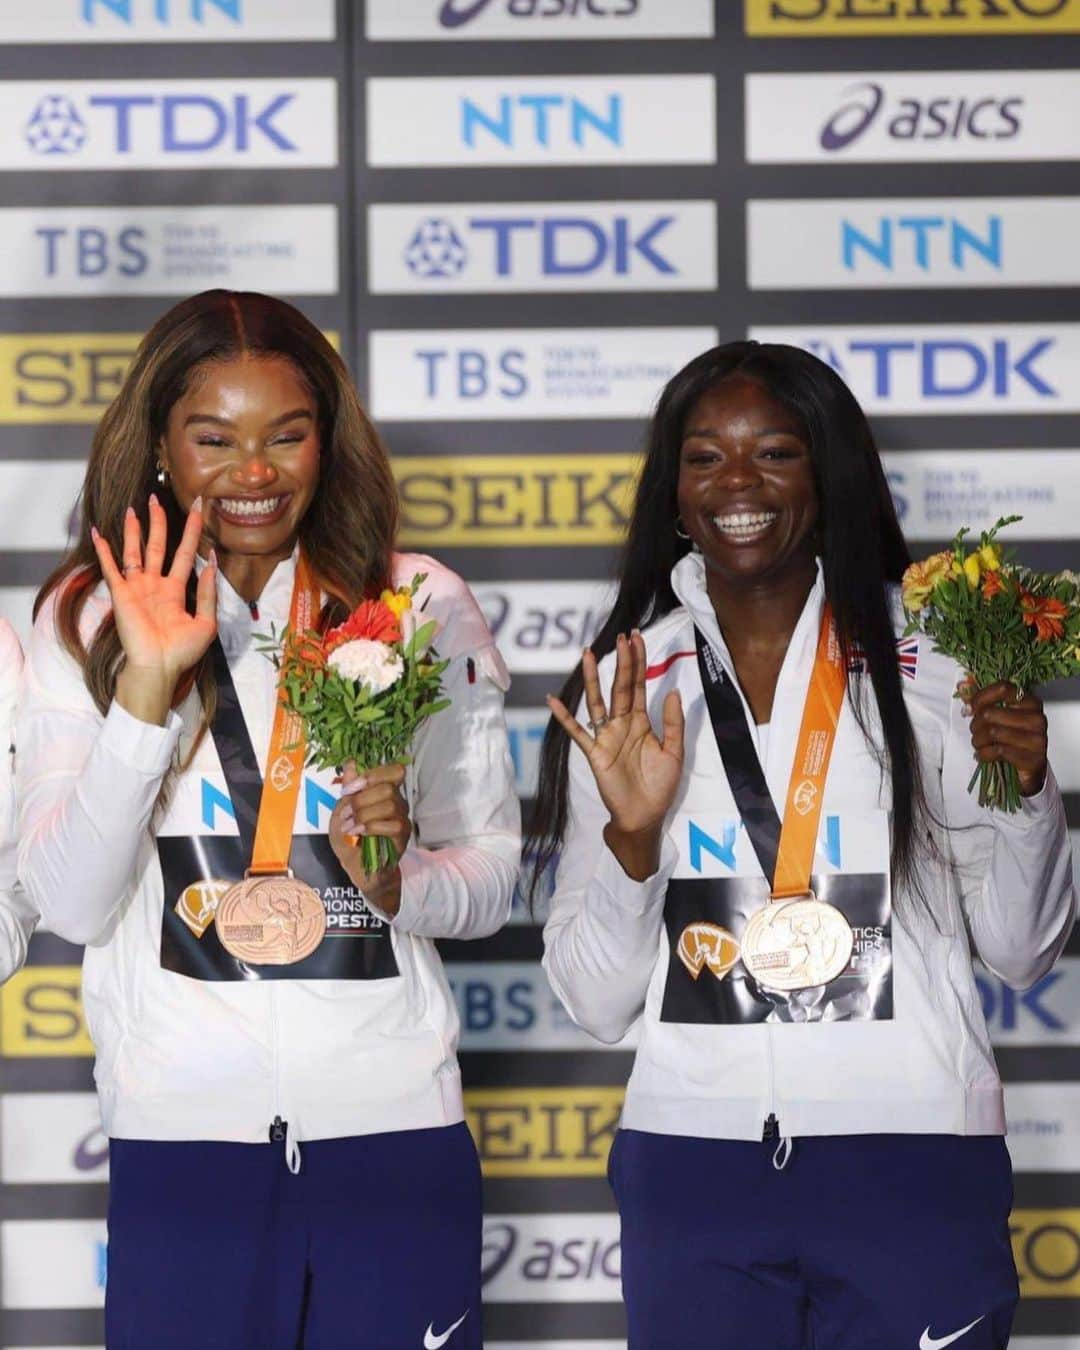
(1000,621)
(363,689)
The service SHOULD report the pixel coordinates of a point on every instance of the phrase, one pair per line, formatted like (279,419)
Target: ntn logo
(458,13)
(943,118)
(533,117)
(560,245)
(942,367)
(700,842)
(924,239)
(213,801)
(161,11)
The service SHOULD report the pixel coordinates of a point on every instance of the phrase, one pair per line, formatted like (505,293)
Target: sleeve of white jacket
(17,916)
(602,938)
(459,873)
(1014,871)
(86,788)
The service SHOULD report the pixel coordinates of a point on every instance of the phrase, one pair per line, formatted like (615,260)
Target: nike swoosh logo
(433,1342)
(928,1342)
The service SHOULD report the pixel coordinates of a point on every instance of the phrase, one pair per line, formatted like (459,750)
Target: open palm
(637,773)
(158,634)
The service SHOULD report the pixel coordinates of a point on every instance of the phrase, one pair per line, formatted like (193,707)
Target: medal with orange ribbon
(271,917)
(796,941)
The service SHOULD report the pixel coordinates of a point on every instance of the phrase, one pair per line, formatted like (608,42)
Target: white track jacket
(17,917)
(899,1044)
(185,1052)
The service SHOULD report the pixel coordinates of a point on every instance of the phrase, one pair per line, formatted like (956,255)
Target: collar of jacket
(688,583)
(235,621)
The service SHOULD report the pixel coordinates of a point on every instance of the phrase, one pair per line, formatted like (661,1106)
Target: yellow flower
(972,570)
(397,601)
(921,577)
(990,558)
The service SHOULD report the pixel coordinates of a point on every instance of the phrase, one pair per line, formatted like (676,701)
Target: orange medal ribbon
(806,790)
(288,747)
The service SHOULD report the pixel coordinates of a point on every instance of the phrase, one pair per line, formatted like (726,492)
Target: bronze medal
(270,920)
(796,944)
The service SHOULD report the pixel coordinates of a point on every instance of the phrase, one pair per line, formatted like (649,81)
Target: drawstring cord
(292,1155)
(782,1156)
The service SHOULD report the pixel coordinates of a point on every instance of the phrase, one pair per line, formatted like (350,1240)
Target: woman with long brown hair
(289,1162)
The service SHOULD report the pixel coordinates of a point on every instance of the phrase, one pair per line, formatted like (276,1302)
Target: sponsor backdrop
(518,218)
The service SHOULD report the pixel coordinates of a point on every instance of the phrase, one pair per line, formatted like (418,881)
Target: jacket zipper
(278,1127)
(771,1129)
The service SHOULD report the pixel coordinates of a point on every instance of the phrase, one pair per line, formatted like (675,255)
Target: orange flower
(992,584)
(1044,614)
(372,619)
(920,579)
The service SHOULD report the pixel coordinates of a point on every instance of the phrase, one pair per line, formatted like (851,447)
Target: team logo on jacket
(707,944)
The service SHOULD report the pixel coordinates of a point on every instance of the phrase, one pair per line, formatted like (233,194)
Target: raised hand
(637,773)
(161,640)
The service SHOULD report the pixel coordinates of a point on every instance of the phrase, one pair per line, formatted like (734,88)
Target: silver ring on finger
(597,725)
(132,567)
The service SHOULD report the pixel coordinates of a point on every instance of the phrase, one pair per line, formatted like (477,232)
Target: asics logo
(433,1342)
(928,1342)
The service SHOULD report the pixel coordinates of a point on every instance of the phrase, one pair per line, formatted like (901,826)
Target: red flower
(1044,614)
(992,584)
(372,619)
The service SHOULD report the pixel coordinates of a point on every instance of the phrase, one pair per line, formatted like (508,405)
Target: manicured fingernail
(130,511)
(361,829)
(94,534)
(360,783)
(213,557)
(153,499)
(196,505)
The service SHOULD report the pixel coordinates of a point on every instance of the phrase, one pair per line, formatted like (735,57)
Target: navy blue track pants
(860,1242)
(373,1245)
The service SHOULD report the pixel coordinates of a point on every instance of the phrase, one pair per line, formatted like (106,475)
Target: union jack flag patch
(907,657)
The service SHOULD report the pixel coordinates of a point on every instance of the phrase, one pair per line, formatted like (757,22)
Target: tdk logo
(942,368)
(458,13)
(920,119)
(178,123)
(926,241)
(436,250)
(556,246)
(542,119)
(55,127)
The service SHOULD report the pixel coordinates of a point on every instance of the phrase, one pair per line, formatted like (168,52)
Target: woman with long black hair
(770,862)
(289,1162)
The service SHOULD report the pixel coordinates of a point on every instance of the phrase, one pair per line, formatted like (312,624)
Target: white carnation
(372,664)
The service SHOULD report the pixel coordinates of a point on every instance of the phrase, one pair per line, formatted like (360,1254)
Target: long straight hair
(862,551)
(349,529)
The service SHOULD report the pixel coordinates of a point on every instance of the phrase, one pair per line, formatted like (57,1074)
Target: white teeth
(744,522)
(242,506)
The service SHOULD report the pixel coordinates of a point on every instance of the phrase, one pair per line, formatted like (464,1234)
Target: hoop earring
(680,532)
(162,474)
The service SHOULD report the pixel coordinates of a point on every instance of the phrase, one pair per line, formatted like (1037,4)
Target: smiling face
(746,490)
(245,437)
